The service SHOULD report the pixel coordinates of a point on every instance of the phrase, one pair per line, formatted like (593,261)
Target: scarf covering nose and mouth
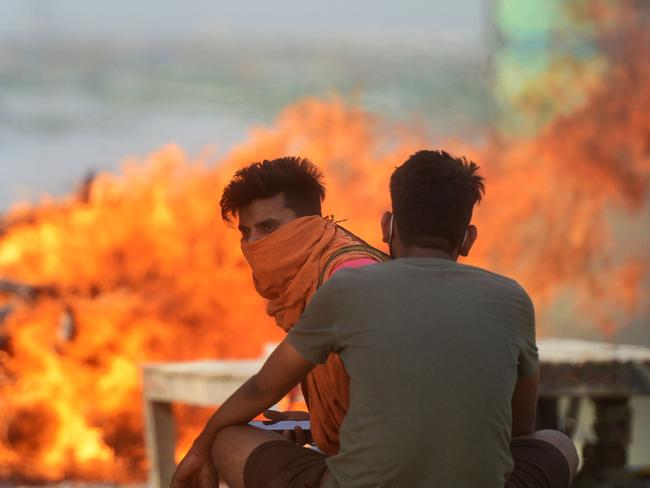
(287,263)
(288,266)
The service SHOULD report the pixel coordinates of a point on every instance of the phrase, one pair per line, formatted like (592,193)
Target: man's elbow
(523,428)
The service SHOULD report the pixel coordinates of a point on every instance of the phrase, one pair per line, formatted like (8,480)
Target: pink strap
(353,264)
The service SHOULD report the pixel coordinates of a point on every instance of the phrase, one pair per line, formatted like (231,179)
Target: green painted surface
(527,18)
(546,57)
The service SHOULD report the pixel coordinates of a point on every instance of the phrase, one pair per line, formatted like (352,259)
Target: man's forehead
(262,209)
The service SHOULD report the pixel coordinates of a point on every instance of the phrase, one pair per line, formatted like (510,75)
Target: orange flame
(142,268)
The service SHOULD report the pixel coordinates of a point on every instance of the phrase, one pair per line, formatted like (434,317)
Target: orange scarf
(287,265)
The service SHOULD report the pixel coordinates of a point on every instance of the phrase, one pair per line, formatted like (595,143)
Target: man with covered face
(292,250)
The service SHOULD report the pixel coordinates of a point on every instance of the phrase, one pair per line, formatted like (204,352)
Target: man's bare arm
(282,371)
(524,403)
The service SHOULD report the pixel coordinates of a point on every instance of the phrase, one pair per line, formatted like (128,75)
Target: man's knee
(232,447)
(562,443)
(225,445)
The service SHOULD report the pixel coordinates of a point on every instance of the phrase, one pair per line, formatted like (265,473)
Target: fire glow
(139,267)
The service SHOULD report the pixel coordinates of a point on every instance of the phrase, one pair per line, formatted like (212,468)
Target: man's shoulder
(394,266)
(378,274)
(498,281)
(493,276)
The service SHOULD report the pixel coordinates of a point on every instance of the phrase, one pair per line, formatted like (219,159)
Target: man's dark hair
(297,178)
(433,194)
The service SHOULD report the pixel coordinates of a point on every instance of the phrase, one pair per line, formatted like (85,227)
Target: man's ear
(385,226)
(472,234)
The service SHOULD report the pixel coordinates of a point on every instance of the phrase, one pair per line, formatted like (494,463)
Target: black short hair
(433,194)
(298,178)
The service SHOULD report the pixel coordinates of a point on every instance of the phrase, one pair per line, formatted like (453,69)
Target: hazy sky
(364,20)
(33,163)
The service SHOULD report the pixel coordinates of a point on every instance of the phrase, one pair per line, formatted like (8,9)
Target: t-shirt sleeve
(315,335)
(528,356)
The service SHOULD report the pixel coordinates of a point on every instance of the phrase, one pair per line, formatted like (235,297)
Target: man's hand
(275,416)
(195,471)
(283,370)
(296,435)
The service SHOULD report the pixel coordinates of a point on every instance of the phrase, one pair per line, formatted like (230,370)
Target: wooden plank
(568,367)
(160,439)
(596,369)
(575,351)
(605,459)
(204,391)
(211,368)
(198,383)
(205,383)
(595,379)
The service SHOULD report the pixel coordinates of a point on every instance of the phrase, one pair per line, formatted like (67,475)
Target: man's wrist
(202,446)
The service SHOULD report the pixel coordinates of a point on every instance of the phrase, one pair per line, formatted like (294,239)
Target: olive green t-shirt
(433,349)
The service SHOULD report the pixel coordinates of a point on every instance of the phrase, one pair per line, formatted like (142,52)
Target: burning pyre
(139,267)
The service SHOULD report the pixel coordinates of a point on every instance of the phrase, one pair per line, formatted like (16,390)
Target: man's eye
(268,227)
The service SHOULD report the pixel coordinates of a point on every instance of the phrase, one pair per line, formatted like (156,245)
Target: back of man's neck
(426,252)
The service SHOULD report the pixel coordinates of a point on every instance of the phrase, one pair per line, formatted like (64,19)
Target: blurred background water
(84,84)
